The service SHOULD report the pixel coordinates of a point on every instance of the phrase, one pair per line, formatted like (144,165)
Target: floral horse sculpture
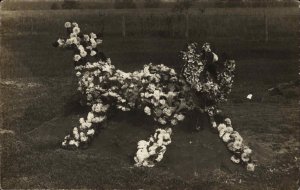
(158,90)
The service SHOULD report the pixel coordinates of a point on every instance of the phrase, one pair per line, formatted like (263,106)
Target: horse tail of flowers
(241,153)
(82,135)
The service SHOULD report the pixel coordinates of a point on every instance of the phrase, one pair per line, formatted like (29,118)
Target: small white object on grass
(249,96)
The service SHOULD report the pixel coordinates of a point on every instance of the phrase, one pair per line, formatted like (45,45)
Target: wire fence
(166,25)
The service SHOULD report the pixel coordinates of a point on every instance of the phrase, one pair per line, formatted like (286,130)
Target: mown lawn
(39,103)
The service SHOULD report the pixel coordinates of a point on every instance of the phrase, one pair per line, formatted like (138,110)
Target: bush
(124,4)
(70,4)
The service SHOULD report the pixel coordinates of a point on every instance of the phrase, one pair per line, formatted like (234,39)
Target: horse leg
(232,139)
(81,135)
(152,151)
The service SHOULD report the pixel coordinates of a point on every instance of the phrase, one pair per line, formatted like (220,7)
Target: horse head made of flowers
(159,91)
(208,75)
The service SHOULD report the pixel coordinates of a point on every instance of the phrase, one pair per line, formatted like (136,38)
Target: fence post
(31,24)
(266,27)
(102,21)
(187,24)
(123,26)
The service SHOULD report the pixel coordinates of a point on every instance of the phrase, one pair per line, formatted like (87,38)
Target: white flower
(229,129)
(142,144)
(67,25)
(98,41)
(97,108)
(93,43)
(238,139)
(74,40)
(69,41)
(77,57)
(90,132)
(73,35)
(89,97)
(75,24)
(226,137)
(81,120)
(162,101)
(235,159)
(245,157)
(152,149)
(77,143)
(169,131)
(147,110)
(90,116)
(159,157)
(71,142)
(222,132)
(237,145)
(67,137)
(78,74)
(250,167)
(174,122)
(162,121)
(76,136)
(98,119)
(215,58)
(214,124)
(93,53)
(147,95)
(83,138)
(88,124)
(93,35)
(75,130)
(60,42)
(83,53)
(142,154)
(156,94)
(180,117)
(76,30)
(86,38)
(221,126)
(227,121)
(64,143)
(151,87)
(167,112)
(247,150)
(249,97)
(172,72)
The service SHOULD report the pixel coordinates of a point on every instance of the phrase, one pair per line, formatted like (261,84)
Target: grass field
(39,102)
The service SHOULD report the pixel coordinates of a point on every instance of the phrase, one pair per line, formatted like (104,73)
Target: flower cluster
(152,151)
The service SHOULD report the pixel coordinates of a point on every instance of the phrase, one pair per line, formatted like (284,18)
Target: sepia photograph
(150,94)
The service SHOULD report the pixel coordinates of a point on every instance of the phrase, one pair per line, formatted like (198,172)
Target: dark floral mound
(158,90)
